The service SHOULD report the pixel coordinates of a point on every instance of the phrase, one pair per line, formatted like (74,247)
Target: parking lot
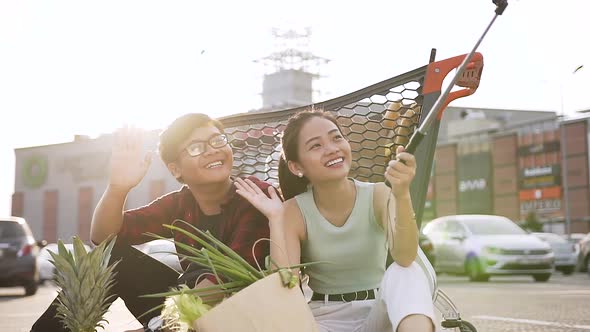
(503,304)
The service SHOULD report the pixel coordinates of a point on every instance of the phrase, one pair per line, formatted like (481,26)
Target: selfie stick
(439,104)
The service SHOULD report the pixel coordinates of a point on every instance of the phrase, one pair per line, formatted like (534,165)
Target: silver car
(566,254)
(485,245)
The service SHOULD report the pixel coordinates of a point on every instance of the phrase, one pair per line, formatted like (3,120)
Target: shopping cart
(376,120)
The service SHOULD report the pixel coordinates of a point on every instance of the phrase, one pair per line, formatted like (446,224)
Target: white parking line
(565,292)
(532,322)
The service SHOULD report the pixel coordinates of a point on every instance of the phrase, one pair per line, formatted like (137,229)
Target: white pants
(404,291)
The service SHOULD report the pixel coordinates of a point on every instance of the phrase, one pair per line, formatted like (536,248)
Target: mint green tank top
(356,251)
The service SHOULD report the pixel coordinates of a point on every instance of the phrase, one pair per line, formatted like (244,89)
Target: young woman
(350,225)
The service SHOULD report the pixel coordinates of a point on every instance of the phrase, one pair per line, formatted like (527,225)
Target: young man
(196,152)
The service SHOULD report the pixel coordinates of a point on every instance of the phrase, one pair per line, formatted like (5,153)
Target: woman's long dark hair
(292,185)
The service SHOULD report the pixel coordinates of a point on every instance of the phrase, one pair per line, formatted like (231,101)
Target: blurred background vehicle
(485,245)
(426,246)
(162,250)
(18,255)
(46,268)
(566,254)
(584,254)
(575,239)
(158,249)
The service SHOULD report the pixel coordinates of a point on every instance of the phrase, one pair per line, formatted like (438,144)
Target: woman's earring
(299,174)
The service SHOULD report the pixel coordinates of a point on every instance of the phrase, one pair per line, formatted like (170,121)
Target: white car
(162,250)
(46,268)
(158,249)
(566,254)
(485,245)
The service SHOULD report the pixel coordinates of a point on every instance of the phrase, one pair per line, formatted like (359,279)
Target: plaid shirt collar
(228,200)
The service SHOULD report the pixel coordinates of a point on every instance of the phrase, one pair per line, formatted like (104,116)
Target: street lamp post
(566,200)
(564,163)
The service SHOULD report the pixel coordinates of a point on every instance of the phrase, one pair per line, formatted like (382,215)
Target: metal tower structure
(290,70)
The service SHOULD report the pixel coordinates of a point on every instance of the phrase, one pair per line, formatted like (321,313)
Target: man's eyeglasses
(196,148)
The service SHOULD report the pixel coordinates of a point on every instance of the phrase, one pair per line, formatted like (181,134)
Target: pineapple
(85,280)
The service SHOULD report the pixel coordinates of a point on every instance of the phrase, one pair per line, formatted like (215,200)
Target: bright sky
(88,67)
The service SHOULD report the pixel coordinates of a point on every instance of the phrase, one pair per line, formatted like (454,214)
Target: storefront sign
(541,206)
(474,176)
(472,185)
(538,177)
(86,166)
(35,170)
(545,147)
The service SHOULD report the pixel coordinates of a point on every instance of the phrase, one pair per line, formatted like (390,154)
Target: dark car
(18,255)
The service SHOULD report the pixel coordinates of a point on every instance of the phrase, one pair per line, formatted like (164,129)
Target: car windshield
(492,226)
(9,229)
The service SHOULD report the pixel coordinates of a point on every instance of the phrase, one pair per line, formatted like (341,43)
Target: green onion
(232,272)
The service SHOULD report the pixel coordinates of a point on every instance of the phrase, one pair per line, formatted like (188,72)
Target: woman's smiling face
(324,154)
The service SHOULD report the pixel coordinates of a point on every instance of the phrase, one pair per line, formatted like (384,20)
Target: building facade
(537,169)
(509,171)
(58,186)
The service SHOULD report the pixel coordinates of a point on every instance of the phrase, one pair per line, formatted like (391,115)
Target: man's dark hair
(179,130)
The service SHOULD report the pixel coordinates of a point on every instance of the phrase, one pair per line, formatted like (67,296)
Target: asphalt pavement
(514,304)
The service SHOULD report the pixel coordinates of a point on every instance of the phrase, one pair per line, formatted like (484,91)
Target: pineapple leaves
(85,279)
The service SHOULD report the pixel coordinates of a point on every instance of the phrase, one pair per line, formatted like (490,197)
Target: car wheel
(31,288)
(542,277)
(568,270)
(474,271)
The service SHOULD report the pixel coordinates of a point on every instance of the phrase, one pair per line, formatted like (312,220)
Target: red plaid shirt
(242,224)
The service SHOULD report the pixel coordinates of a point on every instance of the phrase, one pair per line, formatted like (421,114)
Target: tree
(532,223)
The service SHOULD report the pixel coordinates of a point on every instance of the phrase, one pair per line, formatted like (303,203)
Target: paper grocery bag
(264,306)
